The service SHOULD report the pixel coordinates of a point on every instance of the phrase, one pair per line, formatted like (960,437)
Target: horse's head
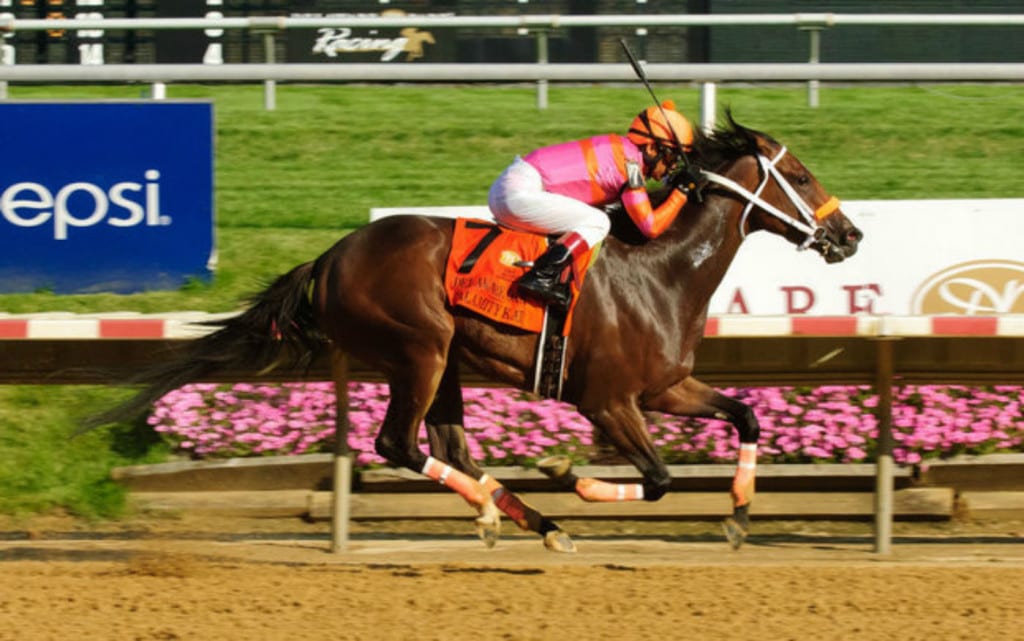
(781,194)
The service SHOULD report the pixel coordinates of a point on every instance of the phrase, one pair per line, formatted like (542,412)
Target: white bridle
(810,217)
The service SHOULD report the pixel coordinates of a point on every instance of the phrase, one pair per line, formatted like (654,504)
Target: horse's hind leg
(690,397)
(414,380)
(447,439)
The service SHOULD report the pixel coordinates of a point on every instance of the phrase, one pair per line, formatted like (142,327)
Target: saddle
(485,262)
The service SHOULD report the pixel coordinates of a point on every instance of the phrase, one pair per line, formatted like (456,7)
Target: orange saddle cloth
(482,270)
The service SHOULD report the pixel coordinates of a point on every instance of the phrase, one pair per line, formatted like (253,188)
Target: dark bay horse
(378,295)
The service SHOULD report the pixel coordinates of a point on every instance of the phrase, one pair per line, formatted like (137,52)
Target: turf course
(290,182)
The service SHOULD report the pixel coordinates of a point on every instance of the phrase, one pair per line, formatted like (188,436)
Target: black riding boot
(542,281)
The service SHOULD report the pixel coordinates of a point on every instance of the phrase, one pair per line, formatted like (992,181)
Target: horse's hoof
(488,525)
(555,467)
(734,532)
(488,533)
(559,541)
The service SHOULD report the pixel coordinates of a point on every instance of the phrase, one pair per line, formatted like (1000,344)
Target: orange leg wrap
(526,517)
(597,491)
(455,480)
(743,483)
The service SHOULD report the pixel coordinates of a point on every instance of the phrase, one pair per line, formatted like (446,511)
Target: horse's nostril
(854,236)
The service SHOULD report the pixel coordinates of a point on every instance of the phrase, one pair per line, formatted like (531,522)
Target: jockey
(560,190)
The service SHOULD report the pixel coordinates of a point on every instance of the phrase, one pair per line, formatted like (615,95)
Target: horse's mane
(726,144)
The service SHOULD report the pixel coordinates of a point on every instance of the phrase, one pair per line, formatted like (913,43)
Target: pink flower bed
(507,427)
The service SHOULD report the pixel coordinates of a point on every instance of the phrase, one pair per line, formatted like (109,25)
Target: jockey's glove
(690,180)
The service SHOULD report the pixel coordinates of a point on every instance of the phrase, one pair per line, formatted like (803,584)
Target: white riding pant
(518,200)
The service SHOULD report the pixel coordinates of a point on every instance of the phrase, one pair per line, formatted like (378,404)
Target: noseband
(809,218)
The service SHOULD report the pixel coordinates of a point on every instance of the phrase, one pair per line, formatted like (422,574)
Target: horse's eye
(803,180)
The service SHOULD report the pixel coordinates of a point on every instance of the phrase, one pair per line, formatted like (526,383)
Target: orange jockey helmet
(663,127)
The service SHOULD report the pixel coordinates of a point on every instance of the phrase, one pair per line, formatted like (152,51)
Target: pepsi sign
(105,196)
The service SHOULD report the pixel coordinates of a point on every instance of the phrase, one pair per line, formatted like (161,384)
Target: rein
(810,217)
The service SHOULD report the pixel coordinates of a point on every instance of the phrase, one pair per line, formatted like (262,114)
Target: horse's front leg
(690,397)
(624,426)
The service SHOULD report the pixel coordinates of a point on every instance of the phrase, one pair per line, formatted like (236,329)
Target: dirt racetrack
(238,579)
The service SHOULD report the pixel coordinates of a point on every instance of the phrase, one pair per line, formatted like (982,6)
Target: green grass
(291,181)
(42,469)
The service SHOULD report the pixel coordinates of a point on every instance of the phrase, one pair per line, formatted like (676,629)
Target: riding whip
(642,75)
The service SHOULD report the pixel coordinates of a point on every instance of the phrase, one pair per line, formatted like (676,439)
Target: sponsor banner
(925,257)
(105,196)
(918,257)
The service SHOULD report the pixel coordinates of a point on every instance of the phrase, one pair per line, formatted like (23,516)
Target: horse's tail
(278,327)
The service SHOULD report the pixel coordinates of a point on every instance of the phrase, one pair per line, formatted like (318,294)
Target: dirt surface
(215,578)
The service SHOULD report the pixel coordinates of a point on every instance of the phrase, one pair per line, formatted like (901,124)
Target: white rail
(705,74)
(546,21)
(523,72)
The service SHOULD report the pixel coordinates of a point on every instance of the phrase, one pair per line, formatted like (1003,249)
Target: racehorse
(378,295)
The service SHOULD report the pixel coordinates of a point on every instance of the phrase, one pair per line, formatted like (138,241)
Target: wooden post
(342,485)
(883,457)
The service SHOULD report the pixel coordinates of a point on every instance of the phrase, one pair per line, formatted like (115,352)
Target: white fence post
(268,26)
(542,58)
(815,57)
(708,107)
(269,86)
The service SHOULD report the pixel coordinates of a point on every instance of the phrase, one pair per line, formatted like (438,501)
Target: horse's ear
(733,126)
(741,132)
(730,120)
